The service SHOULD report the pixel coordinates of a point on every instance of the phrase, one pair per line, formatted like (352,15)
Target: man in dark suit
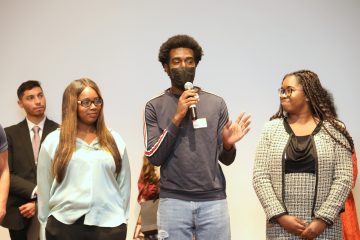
(24,141)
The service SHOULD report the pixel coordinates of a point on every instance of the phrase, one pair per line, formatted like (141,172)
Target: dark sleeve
(226,157)
(158,143)
(18,185)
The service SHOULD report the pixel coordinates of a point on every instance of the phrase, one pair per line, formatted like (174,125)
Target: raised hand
(233,132)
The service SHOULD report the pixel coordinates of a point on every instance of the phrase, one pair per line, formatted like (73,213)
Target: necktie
(36,142)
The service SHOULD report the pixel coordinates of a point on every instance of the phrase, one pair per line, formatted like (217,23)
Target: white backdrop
(249,45)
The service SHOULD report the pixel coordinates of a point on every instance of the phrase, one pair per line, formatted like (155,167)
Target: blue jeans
(181,220)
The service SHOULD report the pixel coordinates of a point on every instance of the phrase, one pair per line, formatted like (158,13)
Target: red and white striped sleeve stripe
(150,152)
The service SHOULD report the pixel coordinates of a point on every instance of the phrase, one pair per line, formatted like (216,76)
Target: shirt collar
(31,124)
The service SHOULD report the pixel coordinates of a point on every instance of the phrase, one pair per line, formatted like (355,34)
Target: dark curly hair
(179,41)
(321,104)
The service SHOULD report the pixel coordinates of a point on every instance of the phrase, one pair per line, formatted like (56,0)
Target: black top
(300,153)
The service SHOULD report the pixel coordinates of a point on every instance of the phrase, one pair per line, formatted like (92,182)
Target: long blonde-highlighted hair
(68,129)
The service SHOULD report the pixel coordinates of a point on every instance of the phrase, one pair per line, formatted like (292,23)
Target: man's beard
(179,76)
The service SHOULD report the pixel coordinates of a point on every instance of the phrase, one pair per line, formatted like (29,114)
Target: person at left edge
(4,173)
(20,216)
(83,172)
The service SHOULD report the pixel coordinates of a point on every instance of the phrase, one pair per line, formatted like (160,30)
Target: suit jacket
(333,171)
(22,171)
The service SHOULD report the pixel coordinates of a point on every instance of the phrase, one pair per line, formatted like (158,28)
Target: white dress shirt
(41,128)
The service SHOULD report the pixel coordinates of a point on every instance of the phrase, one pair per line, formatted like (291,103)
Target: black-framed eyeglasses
(287,91)
(87,102)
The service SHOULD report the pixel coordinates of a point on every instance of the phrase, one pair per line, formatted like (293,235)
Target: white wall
(249,46)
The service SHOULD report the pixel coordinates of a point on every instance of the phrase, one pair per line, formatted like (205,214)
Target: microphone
(188,86)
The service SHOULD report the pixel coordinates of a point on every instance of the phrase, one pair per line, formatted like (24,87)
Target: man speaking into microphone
(187,132)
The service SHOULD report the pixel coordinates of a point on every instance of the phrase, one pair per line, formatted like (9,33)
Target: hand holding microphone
(187,99)
(189,86)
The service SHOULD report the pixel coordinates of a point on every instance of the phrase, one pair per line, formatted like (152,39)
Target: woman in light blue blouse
(83,172)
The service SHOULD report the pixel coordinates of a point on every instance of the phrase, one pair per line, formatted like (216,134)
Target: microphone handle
(193,112)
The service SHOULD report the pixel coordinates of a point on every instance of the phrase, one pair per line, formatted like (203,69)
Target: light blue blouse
(90,186)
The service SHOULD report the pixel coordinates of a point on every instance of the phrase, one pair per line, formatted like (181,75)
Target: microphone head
(188,85)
